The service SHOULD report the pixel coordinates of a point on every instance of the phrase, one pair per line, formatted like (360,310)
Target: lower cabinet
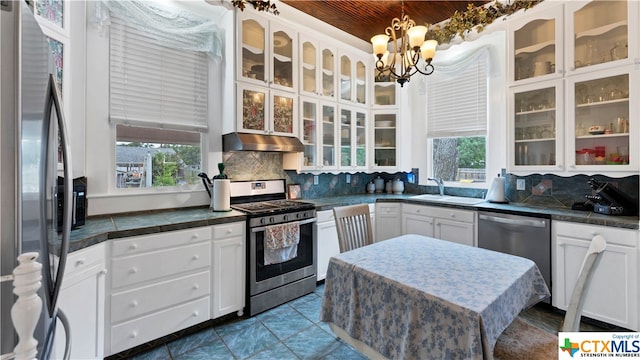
(444,223)
(327,241)
(229,258)
(613,292)
(388,220)
(82,300)
(159,284)
(327,237)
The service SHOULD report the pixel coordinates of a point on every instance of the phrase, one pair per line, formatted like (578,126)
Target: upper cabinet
(267,52)
(589,104)
(265,111)
(536,45)
(600,34)
(353,79)
(318,65)
(353,138)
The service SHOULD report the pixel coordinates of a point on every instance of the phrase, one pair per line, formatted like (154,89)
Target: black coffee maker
(608,200)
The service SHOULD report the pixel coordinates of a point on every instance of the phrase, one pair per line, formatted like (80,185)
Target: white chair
(353,223)
(522,340)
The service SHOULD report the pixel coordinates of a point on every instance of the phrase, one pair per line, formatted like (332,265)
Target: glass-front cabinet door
(601,33)
(536,130)
(328,60)
(536,45)
(265,111)
(284,69)
(328,136)
(345,78)
(309,134)
(603,120)
(317,75)
(253,50)
(353,138)
(361,82)
(385,141)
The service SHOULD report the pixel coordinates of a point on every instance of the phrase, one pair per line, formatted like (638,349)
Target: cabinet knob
(195,236)
(229,231)
(452,215)
(196,286)
(133,335)
(134,303)
(133,270)
(80,262)
(195,313)
(104,271)
(417,210)
(195,257)
(133,246)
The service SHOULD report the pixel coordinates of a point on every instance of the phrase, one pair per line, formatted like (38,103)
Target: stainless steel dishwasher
(524,236)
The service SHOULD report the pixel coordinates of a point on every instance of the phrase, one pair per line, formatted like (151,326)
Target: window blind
(154,85)
(457,102)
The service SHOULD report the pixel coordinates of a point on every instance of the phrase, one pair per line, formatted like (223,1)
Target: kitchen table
(415,297)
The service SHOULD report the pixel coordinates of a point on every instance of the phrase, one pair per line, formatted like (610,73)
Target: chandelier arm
(428,69)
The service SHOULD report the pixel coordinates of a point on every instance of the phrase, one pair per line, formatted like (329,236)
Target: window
(457,119)
(158,104)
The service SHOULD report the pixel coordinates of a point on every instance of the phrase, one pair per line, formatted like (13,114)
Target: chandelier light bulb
(428,49)
(416,36)
(379,43)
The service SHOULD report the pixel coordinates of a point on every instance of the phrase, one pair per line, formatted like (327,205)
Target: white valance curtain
(457,96)
(170,25)
(158,64)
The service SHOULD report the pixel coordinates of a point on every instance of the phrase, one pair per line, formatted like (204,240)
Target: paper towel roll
(496,190)
(220,198)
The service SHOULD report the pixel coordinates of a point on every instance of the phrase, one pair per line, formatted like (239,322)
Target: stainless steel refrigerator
(34,152)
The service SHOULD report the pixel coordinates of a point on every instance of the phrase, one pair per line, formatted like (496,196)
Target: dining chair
(522,340)
(353,223)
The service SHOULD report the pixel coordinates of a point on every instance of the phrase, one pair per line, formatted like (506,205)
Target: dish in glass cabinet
(596,130)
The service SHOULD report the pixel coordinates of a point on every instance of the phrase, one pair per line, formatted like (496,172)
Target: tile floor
(290,331)
(293,331)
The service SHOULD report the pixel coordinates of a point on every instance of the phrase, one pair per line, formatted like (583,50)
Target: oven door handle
(262,228)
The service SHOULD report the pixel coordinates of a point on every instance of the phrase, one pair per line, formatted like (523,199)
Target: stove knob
(285,217)
(272,219)
(263,221)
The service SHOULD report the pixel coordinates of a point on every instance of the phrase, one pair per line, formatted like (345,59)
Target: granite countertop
(102,228)
(558,214)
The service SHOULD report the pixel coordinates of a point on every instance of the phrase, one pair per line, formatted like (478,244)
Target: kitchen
(544,185)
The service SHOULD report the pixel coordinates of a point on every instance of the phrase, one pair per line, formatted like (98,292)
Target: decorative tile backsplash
(541,190)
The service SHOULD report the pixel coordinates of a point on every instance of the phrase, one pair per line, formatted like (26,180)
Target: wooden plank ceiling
(365,19)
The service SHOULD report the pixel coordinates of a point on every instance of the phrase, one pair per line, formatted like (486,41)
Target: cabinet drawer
(324,216)
(140,244)
(439,212)
(626,237)
(388,209)
(158,264)
(228,230)
(153,326)
(129,304)
(81,260)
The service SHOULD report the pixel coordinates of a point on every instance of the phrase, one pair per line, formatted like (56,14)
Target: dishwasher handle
(523,222)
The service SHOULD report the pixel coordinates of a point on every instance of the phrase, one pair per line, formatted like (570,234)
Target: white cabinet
(319,138)
(353,78)
(318,65)
(327,241)
(613,293)
(579,54)
(82,300)
(388,220)
(175,265)
(444,223)
(266,111)
(327,236)
(352,135)
(228,286)
(385,140)
(267,52)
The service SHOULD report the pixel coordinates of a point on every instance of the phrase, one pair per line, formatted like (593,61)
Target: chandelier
(410,56)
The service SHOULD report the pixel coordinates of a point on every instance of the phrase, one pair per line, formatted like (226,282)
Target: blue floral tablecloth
(415,297)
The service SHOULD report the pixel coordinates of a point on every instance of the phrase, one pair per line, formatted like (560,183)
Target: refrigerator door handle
(53,98)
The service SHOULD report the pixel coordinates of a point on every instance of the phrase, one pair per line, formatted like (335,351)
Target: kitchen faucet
(440,185)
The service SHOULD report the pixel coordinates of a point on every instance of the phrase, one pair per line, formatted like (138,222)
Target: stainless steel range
(281,243)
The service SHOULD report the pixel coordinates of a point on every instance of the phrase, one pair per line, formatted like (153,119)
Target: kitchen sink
(448,199)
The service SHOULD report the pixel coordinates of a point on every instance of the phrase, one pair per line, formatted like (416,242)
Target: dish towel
(281,242)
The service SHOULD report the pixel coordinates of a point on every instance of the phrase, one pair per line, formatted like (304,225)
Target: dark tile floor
(293,331)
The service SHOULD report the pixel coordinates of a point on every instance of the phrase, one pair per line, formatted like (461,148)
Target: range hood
(256,142)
